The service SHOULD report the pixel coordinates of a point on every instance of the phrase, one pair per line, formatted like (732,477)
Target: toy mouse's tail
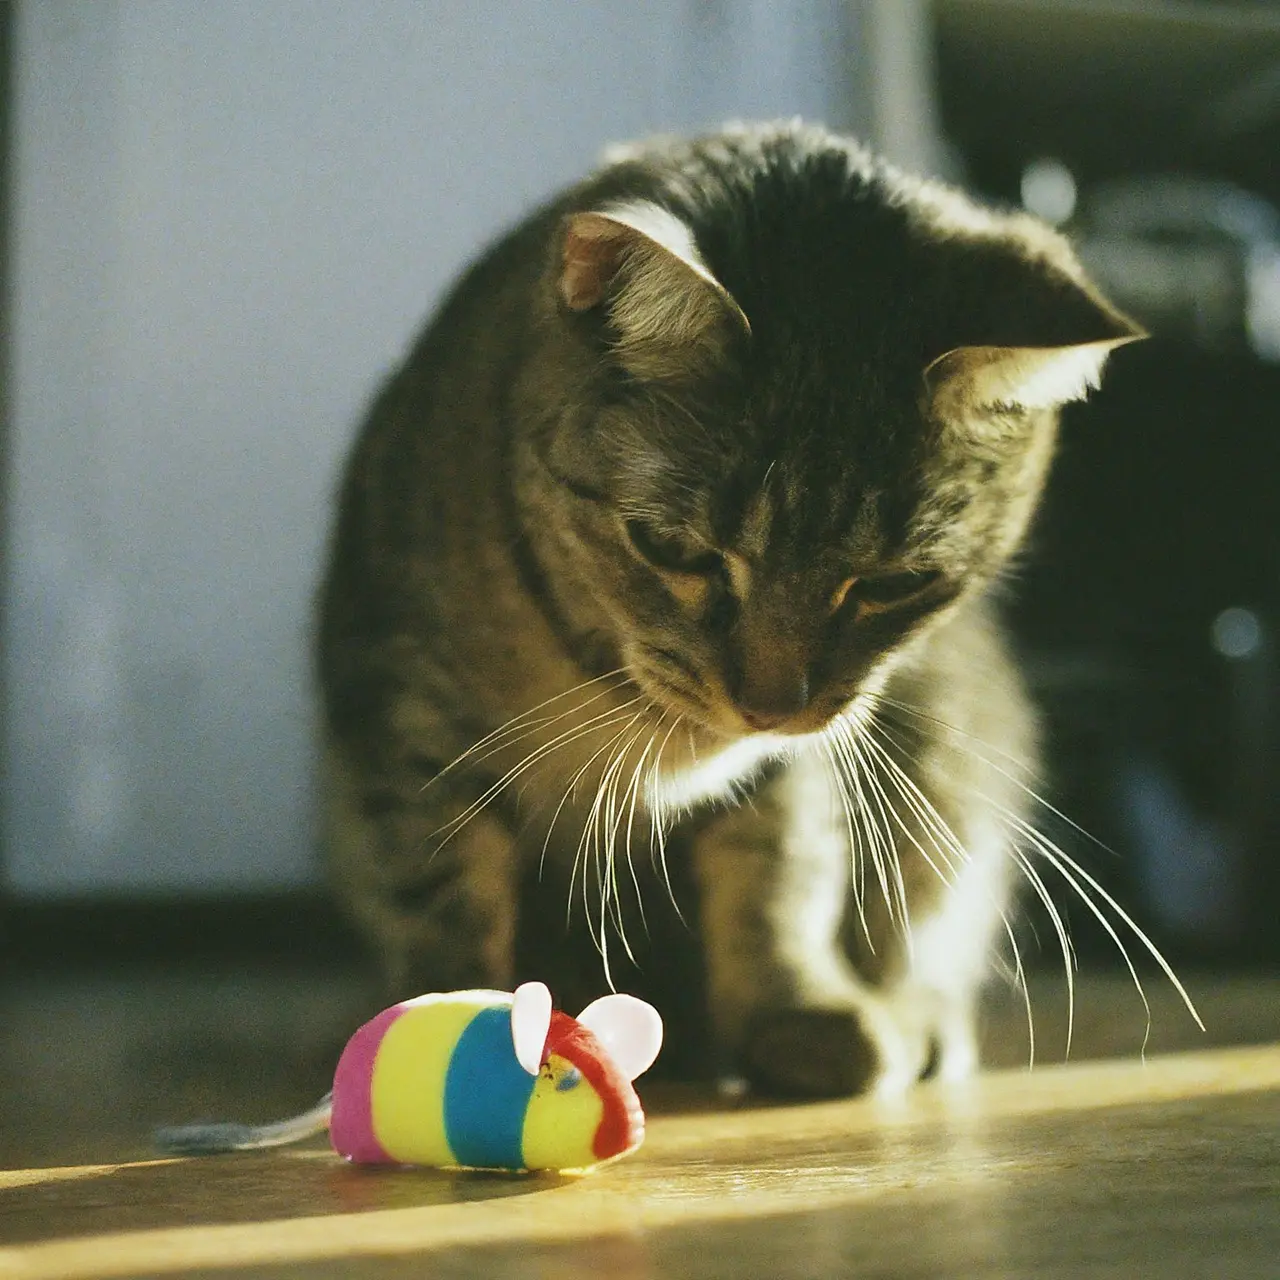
(209,1139)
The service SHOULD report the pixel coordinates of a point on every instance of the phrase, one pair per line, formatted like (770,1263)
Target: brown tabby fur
(700,483)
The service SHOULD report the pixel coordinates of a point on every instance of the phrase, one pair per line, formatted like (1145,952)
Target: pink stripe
(351,1128)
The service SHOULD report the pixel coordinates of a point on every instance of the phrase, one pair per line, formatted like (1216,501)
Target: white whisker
(937,828)
(657,827)
(857,860)
(946,843)
(572,787)
(1029,791)
(881,700)
(842,740)
(603,720)
(630,800)
(1037,883)
(617,807)
(1073,873)
(524,726)
(581,773)
(595,837)
(890,818)
(1076,877)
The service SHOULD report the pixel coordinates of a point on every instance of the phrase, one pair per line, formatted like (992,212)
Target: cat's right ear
(638,266)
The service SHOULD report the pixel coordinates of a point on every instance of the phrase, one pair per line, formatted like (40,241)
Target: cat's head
(804,407)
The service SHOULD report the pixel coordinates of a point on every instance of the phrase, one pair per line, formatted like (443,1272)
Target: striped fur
(696,490)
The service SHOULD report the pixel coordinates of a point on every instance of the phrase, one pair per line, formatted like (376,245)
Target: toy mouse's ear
(530,1022)
(629,1029)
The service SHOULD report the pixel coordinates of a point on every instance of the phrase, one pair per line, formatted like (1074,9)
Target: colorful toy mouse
(475,1079)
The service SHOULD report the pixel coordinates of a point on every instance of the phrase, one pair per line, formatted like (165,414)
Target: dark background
(1163,511)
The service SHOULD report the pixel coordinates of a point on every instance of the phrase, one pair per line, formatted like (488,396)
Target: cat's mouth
(682,700)
(686,694)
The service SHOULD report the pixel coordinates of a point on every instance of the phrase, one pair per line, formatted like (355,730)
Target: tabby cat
(683,519)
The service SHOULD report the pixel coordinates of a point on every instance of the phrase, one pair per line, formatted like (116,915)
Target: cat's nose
(765,706)
(763,720)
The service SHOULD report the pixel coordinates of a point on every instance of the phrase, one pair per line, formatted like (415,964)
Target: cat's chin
(715,728)
(732,727)
(712,767)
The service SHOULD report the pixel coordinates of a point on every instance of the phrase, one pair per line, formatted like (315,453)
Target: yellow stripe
(560,1124)
(409,1074)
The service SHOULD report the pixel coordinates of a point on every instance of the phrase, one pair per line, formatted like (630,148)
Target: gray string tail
(210,1139)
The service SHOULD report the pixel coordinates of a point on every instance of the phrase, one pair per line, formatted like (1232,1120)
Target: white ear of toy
(629,1029)
(530,1022)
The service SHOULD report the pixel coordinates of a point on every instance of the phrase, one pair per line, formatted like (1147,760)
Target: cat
(685,518)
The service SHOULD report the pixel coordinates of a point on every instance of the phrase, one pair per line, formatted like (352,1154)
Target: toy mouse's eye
(570,1080)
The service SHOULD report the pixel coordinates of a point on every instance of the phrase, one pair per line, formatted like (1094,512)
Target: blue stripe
(486,1094)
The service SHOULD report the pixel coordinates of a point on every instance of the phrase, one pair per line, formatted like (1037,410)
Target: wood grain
(1170,1169)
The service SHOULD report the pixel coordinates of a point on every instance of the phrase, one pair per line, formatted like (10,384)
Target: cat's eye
(885,590)
(671,552)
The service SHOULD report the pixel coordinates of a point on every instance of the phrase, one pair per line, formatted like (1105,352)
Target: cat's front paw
(832,1053)
(810,1053)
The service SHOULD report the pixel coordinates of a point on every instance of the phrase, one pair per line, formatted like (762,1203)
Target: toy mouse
(474,1079)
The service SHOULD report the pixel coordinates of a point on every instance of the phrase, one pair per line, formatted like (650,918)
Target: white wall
(229,219)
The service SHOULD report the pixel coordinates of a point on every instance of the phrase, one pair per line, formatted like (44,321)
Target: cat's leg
(930,975)
(431,885)
(787,1007)
(942,777)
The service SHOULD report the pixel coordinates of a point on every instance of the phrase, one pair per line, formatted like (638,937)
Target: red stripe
(622,1125)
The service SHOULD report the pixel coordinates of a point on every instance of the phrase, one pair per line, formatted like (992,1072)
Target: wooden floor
(1109,1168)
